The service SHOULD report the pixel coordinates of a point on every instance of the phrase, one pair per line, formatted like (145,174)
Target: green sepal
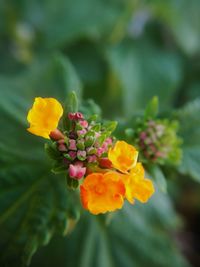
(78,127)
(81,158)
(59,168)
(52,151)
(89,141)
(93,118)
(72,183)
(71,105)
(67,156)
(92,151)
(80,146)
(151,110)
(89,134)
(103,137)
(110,126)
(96,127)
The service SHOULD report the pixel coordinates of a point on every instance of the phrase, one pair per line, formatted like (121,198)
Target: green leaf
(34,204)
(73,102)
(182,18)
(159,178)
(138,236)
(72,183)
(51,151)
(151,110)
(189,119)
(142,70)
(59,22)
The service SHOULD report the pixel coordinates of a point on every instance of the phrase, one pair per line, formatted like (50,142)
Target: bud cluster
(84,144)
(158,142)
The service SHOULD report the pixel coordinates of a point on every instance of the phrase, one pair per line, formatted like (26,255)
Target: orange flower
(123,156)
(102,192)
(137,186)
(44,116)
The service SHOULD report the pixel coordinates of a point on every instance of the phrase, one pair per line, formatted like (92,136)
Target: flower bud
(84,123)
(71,116)
(79,116)
(77,171)
(72,144)
(81,155)
(62,147)
(80,144)
(92,159)
(105,163)
(81,132)
(56,135)
(91,150)
(71,155)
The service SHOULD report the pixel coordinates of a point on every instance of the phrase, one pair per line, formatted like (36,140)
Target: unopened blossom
(77,170)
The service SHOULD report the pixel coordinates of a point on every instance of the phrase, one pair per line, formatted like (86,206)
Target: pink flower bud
(92,158)
(62,148)
(100,151)
(109,141)
(143,135)
(153,148)
(72,144)
(61,141)
(72,154)
(84,123)
(97,134)
(79,116)
(71,116)
(81,154)
(77,171)
(104,146)
(56,135)
(81,132)
(105,163)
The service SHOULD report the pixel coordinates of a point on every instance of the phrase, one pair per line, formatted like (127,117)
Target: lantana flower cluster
(106,170)
(158,142)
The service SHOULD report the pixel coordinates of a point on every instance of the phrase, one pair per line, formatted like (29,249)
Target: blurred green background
(120,53)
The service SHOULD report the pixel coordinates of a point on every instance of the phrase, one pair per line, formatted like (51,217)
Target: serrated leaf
(57,32)
(138,236)
(34,204)
(142,70)
(189,119)
(51,151)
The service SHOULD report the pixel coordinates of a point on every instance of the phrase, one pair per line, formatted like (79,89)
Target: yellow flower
(137,187)
(44,116)
(102,192)
(123,156)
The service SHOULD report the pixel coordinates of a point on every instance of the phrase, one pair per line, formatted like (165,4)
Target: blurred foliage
(122,53)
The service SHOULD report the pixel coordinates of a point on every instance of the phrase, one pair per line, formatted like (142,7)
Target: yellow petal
(123,156)
(44,116)
(138,187)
